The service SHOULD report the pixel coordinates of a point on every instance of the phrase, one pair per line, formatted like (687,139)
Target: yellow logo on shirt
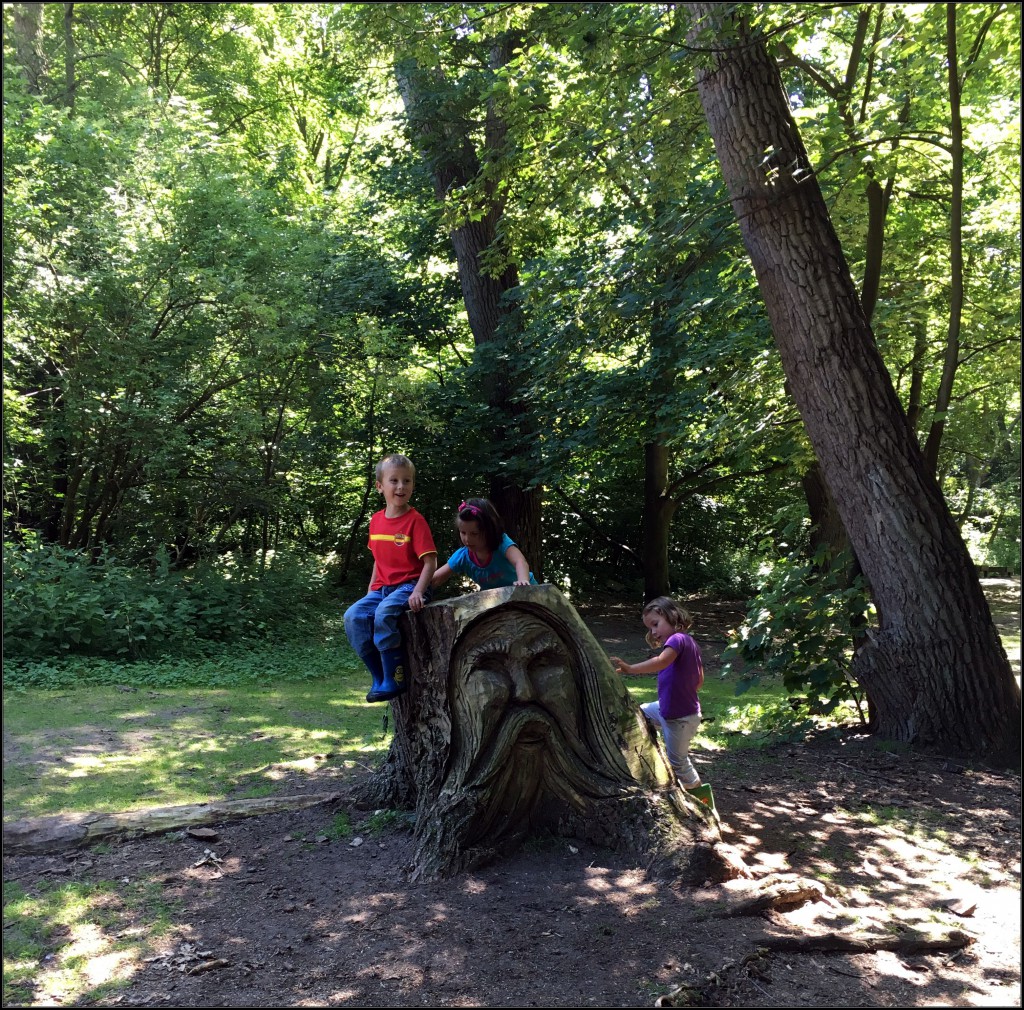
(396,538)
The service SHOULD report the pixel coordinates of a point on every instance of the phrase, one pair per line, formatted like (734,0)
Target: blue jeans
(372,622)
(677,734)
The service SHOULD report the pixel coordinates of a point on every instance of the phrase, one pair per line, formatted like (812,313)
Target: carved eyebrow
(544,641)
(492,647)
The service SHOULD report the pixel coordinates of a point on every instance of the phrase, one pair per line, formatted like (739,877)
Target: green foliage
(801,629)
(340,828)
(382,821)
(63,602)
(229,287)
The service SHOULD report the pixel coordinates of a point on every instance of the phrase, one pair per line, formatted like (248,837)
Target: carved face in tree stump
(518,695)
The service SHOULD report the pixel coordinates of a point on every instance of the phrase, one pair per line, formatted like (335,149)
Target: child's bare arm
(441,576)
(416,598)
(516,556)
(648,666)
(373,578)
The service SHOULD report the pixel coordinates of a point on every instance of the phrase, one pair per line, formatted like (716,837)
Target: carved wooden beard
(517,697)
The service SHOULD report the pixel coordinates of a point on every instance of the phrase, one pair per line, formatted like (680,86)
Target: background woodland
(250,248)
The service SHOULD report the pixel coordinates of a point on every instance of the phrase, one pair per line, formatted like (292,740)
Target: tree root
(757,964)
(768,895)
(910,942)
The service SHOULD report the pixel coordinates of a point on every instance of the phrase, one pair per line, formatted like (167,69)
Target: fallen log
(40,835)
(756,964)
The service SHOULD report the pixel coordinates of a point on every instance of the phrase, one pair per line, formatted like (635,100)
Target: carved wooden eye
(488,680)
(549,672)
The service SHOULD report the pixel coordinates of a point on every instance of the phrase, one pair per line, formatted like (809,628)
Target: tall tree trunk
(951,358)
(826,527)
(659,507)
(455,164)
(935,670)
(26,28)
(69,57)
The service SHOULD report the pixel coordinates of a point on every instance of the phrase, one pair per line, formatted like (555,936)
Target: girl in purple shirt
(680,673)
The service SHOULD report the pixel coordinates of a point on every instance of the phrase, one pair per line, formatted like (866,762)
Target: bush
(59,601)
(801,628)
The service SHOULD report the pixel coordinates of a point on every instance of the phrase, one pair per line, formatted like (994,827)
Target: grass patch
(340,828)
(116,748)
(382,821)
(78,942)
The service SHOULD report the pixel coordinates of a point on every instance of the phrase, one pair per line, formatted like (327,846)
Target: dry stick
(765,993)
(862,771)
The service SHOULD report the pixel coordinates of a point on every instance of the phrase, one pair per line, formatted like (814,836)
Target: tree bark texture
(516,724)
(935,669)
(26,29)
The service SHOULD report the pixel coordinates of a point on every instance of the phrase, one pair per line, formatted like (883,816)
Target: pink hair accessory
(466,507)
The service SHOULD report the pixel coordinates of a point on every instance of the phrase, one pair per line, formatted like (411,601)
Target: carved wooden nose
(522,686)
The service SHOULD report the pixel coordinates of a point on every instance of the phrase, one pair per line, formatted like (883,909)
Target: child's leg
(678,734)
(359,627)
(388,639)
(393,602)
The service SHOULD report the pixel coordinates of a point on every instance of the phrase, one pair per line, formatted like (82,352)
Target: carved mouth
(525,727)
(533,735)
(530,724)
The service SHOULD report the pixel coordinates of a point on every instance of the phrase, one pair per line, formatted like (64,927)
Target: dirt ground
(274,913)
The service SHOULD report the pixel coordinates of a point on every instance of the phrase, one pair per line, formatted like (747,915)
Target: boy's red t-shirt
(398,546)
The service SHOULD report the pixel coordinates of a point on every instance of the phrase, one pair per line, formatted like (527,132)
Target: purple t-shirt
(678,682)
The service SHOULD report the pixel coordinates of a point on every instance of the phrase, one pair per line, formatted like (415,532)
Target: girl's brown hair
(485,515)
(676,615)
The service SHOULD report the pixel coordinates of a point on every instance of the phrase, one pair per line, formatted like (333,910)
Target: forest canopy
(250,248)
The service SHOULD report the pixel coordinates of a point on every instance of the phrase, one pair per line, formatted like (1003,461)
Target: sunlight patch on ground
(86,962)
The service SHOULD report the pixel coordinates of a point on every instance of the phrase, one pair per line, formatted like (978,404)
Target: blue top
(499,572)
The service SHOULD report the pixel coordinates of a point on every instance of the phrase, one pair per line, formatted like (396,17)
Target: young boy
(404,561)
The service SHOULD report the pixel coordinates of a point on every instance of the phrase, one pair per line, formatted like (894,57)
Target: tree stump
(516,724)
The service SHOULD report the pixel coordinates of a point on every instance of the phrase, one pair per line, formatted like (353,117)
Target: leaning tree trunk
(515,723)
(935,670)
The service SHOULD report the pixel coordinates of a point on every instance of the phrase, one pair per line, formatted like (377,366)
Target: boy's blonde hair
(396,460)
(676,615)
